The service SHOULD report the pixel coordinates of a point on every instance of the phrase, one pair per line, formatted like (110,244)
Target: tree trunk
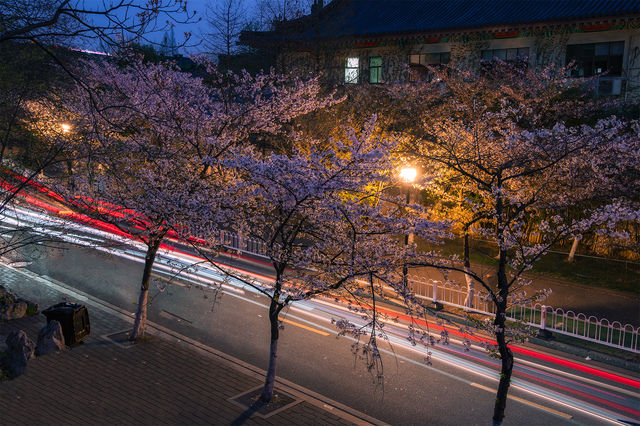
(506,355)
(574,247)
(270,380)
(468,301)
(140,322)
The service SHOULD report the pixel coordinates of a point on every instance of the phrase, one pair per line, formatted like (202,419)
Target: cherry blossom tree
(250,109)
(520,146)
(314,211)
(154,138)
(133,131)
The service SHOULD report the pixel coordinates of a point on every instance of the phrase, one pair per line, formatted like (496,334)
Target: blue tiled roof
(366,18)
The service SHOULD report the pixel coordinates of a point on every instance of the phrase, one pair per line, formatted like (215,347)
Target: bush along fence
(578,325)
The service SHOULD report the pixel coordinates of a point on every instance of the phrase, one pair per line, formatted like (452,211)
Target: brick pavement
(169,379)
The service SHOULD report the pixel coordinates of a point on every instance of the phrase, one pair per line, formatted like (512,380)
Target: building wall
(331,62)
(545,47)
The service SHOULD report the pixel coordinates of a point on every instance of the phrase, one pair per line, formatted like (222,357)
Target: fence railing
(246,244)
(578,325)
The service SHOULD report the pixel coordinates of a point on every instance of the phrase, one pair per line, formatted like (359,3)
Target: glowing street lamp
(408,174)
(66,128)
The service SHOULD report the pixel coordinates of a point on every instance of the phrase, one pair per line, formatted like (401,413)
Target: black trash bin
(74,319)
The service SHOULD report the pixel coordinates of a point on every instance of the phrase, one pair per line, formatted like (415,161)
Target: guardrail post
(543,333)
(438,306)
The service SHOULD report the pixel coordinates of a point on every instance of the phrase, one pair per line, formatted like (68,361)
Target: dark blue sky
(195,28)
(198,24)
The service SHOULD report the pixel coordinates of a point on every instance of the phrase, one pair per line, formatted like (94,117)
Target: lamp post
(408,175)
(66,128)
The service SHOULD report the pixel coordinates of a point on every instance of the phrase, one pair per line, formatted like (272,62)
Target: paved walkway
(169,379)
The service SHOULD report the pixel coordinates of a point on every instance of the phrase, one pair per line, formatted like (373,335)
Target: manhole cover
(250,400)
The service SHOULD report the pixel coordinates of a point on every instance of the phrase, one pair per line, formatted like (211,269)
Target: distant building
(378,41)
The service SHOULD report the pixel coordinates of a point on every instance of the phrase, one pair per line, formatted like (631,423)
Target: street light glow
(408,174)
(66,128)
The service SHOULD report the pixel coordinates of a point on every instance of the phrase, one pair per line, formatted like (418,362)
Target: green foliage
(27,73)
(6,299)
(32,310)
(597,272)
(24,67)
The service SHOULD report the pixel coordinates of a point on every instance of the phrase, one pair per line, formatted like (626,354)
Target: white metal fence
(246,244)
(599,330)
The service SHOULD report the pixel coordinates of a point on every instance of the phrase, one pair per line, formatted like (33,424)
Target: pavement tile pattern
(160,381)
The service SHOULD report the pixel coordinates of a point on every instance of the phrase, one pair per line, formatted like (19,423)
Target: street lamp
(66,128)
(408,175)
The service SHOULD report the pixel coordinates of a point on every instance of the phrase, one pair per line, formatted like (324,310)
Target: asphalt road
(458,388)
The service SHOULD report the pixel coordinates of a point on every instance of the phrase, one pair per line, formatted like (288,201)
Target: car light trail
(576,377)
(576,366)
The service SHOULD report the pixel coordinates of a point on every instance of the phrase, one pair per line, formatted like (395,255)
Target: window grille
(352,70)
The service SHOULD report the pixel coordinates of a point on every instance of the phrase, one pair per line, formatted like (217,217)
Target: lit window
(352,70)
(375,69)
(596,58)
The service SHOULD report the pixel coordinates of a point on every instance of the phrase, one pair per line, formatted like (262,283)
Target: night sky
(195,28)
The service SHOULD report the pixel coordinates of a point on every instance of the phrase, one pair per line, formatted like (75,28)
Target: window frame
(355,69)
(377,69)
(418,63)
(586,60)
(511,54)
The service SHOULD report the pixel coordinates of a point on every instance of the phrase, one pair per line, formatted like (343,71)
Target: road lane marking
(300,306)
(526,401)
(323,333)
